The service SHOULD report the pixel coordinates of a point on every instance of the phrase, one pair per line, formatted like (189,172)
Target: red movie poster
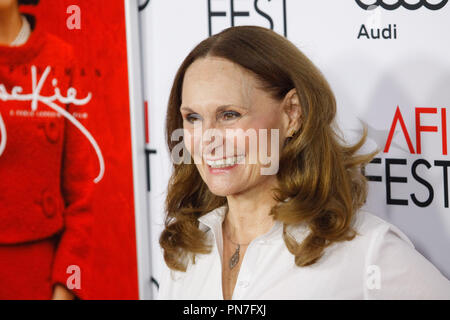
(67,225)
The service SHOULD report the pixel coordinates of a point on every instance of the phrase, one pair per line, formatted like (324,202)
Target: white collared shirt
(23,35)
(379,263)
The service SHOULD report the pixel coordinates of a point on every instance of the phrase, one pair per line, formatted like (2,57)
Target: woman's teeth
(223,163)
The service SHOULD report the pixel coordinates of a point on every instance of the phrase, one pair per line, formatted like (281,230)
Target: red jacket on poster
(47,163)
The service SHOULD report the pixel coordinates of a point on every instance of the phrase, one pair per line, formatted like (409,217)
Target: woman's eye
(192,117)
(229,115)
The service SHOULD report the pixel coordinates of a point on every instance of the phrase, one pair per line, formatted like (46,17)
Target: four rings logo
(401,3)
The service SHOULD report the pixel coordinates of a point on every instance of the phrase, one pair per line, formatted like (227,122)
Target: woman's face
(226,101)
(8,4)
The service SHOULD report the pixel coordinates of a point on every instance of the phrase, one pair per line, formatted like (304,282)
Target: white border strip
(137,118)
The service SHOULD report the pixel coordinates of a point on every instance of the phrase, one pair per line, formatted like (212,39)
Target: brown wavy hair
(320,177)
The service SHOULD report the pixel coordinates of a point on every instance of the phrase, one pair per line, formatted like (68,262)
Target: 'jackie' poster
(67,223)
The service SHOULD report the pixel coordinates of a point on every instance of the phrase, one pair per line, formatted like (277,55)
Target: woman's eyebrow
(186,109)
(218,109)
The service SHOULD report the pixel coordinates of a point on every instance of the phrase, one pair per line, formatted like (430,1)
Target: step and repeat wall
(388,63)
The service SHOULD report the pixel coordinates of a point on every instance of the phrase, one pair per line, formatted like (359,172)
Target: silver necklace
(236,255)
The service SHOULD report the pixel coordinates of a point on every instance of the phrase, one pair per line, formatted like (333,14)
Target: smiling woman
(233,231)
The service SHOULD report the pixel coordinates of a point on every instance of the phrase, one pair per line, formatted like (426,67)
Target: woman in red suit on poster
(46,163)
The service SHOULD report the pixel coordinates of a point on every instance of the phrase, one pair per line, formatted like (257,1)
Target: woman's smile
(225,162)
(224,165)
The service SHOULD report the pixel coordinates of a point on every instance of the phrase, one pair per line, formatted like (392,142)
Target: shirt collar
(23,34)
(213,221)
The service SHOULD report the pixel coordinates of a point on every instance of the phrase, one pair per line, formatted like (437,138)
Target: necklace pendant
(234,258)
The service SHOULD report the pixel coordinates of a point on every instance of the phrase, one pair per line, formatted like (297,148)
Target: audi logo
(401,3)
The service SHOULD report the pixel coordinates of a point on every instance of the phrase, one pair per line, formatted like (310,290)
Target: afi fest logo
(223,14)
(393,5)
(421,169)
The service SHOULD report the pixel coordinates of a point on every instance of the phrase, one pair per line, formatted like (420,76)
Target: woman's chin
(222,190)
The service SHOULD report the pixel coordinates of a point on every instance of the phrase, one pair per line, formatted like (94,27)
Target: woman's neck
(10,23)
(248,214)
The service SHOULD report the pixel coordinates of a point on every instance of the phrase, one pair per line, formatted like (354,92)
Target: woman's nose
(212,138)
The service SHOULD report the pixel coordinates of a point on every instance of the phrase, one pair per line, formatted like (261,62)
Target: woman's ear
(293,111)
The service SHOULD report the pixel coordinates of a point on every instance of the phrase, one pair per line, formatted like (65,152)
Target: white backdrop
(370,77)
